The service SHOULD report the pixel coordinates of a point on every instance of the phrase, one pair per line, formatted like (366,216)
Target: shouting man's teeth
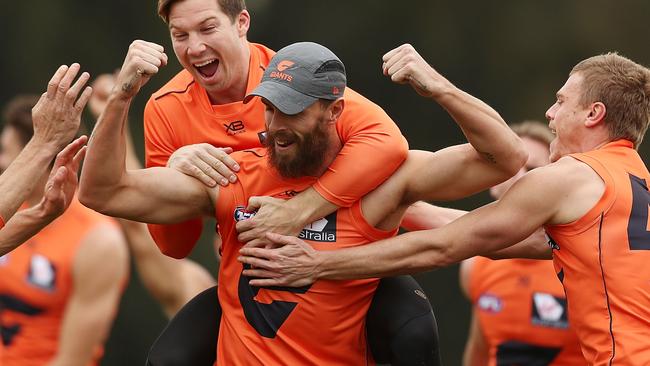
(204,63)
(207,68)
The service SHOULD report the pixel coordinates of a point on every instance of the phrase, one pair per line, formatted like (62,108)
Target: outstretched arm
(56,119)
(59,191)
(489,228)
(156,195)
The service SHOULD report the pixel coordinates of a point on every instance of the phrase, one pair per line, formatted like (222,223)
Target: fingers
(147,56)
(248,232)
(218,166)
(205,173)
(281,240)
(73,92)
(83,99)
(54,185)
(70,151)
(223,155)
(257,257)
(79,156)
(260,273)
(266,282)
(53,84)
(66,82)
(254,203)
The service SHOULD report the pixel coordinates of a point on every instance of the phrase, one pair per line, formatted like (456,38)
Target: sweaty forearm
(404,254)
(18,181)
(104,166)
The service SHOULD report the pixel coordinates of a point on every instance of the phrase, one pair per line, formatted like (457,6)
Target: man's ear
(596,115)
(243,21)
(334,110)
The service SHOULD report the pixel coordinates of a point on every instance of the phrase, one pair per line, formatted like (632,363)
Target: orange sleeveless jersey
(603,261)
(180,114)
(522,313)
(321,324)
(35,285)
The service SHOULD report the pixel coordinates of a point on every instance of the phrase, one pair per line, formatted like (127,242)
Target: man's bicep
(452,173)
(523,209)
(161,196)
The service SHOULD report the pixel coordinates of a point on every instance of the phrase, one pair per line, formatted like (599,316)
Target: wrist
(445,92)
(44,146)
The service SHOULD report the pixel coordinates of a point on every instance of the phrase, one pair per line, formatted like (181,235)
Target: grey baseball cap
(300,74)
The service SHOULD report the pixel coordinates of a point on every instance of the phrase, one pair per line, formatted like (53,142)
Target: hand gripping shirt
(603,261)
(321,324)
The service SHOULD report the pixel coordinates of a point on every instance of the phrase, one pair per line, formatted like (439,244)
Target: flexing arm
(97,288)
(494,154)
(157,195)
(171,282)
(424,216)
(56,119)
(174,240)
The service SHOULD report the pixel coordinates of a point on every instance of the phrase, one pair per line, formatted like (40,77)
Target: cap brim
(284,98)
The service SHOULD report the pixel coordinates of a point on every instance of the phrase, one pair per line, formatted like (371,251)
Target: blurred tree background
(512,54)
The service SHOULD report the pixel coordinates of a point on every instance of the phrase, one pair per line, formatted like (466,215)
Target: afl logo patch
(549,311)
(242,214)
(42,273)
(489,303)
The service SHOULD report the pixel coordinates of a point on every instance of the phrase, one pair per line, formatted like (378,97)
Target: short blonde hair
(623,86)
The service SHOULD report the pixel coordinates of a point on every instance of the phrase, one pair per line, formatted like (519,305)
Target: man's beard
(308,158)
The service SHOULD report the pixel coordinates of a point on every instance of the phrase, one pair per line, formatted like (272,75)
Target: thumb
(254,203)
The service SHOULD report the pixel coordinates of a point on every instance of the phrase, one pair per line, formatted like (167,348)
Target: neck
(335,147)
(596,140)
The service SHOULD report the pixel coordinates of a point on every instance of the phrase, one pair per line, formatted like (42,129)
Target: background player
(59,291)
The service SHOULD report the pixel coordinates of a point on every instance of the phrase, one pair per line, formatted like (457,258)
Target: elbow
(94,199)
(516,159)
(87,197)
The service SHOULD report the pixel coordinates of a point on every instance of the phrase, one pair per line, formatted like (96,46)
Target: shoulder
(357,105)
(567,187)
(102,252)
(265,53)
(180,83)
